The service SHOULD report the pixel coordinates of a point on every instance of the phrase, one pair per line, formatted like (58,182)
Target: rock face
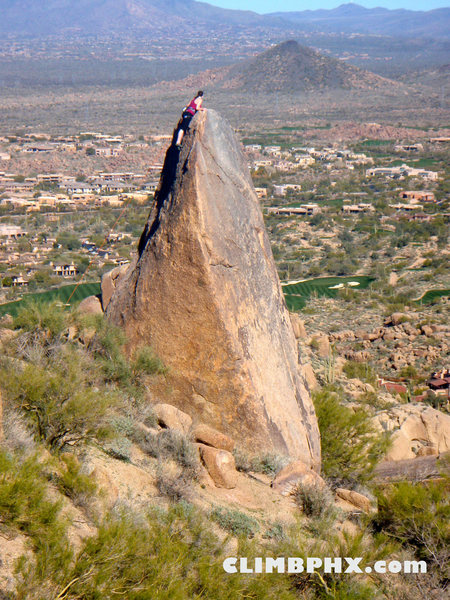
(110,281)
(204,293)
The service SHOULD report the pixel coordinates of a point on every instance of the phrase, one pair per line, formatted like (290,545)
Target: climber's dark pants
(186,119)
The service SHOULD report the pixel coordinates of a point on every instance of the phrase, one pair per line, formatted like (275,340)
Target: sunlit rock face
(205,294)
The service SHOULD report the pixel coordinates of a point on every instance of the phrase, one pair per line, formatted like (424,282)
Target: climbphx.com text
(311,564)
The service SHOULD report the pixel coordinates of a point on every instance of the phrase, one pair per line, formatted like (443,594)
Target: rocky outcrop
(417,430)
(204,293)
(293,475)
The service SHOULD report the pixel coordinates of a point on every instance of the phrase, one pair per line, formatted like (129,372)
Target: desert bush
(169,444)
(363,371)
(108,348)
(159,556)
(146,362)
(175,487)
(23,502)
(119,448)
(268,464)
(417,516)
(26,508)
(235,522)
(48,319)
(314,500)
(74,484)
(62,406)
(351,446)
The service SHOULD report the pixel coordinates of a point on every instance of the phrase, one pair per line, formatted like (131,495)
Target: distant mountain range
(36,17)
(287,67)
(352,18)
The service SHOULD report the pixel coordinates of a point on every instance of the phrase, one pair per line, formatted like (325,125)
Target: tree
(351,446)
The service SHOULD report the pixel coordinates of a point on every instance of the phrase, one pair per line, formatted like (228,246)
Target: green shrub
(48,319)
(268,464)
(162,556)
(25,507)
(62,406)
(235,522)
(417,515)
(357,370)
(147,362)
(74,484)
(351,446)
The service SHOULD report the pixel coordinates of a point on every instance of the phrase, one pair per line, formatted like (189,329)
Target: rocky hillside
(94,16)
(291,67)
(287,67)
(205,293)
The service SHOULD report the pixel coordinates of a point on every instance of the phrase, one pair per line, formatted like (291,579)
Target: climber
(188,112)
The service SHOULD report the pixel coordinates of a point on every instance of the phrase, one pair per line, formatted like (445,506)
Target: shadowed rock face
(204,293)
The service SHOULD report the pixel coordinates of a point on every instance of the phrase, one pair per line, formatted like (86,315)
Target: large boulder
(220,466)
(417,430)
(354,499)
(205,294)
(211,437)
(294,474)
(90,306)
(171,417)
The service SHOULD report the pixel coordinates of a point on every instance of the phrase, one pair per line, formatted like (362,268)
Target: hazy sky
(265,6)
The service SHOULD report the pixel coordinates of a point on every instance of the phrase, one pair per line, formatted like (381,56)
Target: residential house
(282,190)
(417,196)
(362,207)
(65,270)
(12,231)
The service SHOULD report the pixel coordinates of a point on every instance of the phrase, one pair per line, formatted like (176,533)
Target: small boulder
(6,335)
(393,278)
(86,336)
(396,319)
(370,336)
(323,345)
(220,466)
(90,306)
(298,326)
(426,330)
(294,474)
(359,501)
(427,451)
(211,437)
(171,417)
